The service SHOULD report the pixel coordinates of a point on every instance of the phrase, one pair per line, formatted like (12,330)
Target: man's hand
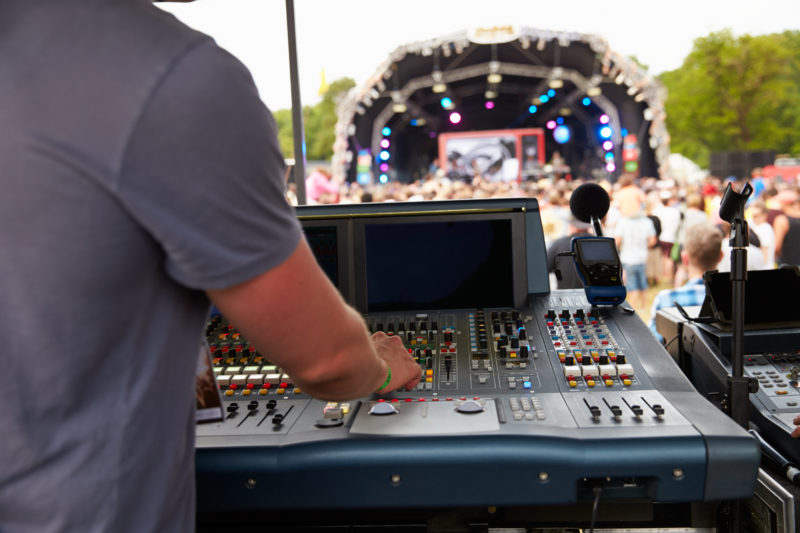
(796,432)
(406,372)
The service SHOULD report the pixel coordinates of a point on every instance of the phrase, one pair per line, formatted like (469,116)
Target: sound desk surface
(538,403)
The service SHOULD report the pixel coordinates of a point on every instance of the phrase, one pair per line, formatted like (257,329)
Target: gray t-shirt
(139,167)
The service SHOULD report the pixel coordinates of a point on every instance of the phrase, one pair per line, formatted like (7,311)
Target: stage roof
(573,67)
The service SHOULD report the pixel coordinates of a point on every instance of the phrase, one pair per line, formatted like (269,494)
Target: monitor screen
(324,244)
(770,295)
(443,264)
(597,249)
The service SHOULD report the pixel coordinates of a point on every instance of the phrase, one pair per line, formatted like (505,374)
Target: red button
(233,386)
(284,385)
(249,385)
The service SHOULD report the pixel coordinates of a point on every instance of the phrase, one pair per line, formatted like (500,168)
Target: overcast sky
(353,37)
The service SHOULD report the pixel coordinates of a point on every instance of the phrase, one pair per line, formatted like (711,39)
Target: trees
(735,93)
(319,122)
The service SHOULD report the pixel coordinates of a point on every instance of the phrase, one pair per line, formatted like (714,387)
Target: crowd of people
(651,219)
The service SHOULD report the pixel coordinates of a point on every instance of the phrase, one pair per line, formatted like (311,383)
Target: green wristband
(388,379)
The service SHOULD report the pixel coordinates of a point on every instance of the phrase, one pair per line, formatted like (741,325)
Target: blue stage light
(544,98)
(551,93)
(383,178)
(386,131)
(605,132)
(560,120)
(446,102)
(562,134)
(532,109)
(586,101)
(384,155)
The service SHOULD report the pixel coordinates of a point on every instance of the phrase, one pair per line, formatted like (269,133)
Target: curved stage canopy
(533,78)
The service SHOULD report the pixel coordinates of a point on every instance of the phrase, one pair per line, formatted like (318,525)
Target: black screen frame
(519,290)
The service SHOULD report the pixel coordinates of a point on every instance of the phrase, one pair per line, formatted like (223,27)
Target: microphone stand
(731,210)
(598,229)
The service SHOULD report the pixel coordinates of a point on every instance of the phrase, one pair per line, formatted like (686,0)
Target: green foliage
(319,122)
(735,93)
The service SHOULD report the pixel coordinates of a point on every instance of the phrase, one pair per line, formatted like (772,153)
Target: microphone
(590,203)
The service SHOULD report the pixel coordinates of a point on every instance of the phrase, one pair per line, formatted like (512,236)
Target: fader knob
(522,334)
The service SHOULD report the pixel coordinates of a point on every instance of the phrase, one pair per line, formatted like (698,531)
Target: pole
(297,108)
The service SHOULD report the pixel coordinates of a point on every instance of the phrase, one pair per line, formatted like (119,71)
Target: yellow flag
(323,84)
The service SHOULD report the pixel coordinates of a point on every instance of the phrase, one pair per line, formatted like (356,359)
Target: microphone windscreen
(589,200)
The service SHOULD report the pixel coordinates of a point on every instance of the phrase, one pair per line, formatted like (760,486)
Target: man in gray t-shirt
(142,179)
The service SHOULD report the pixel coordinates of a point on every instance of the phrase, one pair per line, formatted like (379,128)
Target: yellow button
(413,341)
(262,392)
(429,380)
(281,390)
(590,383)
(229,361)
(626,382)
(609,383)
(781,392)
(429,372)
(243,360)
(228,392)
(246,392)
(512,354)
(258,359)
(573,383)
(297,390)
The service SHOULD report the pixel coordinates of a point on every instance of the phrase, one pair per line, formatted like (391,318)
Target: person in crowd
(670,216)
(634,236)
(694,213)
(628,197)
(702,251)
(143,180)
(787,229)
(765,232)
(653,265)
(321,188)
(565,264)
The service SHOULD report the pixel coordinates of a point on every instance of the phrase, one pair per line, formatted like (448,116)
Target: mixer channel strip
(588,353)
(239,369)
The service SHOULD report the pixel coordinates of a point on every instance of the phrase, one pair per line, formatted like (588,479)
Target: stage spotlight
(605,132)
(562,134)
(384,167)
(623,132)
(446,102)
(608,146)
(489,104)
(439,87)
(532,109)
(611,167)
(560,120)
(586,101)
(455,118)
(551,93)
(544,99)
(494,77)
(604,119)
(593,91)
(384,155)
(551,124)
(386,131)
(384,178)
(399,107)
(490,94)
(385,143)
(609,157)
(556,84)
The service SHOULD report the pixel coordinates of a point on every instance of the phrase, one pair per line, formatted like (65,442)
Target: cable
(671,341)
(597,491)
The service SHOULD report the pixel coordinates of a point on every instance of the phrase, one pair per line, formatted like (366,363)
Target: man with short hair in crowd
(702,251)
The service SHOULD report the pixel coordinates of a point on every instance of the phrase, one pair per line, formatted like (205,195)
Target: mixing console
(538,394)
(547,374)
